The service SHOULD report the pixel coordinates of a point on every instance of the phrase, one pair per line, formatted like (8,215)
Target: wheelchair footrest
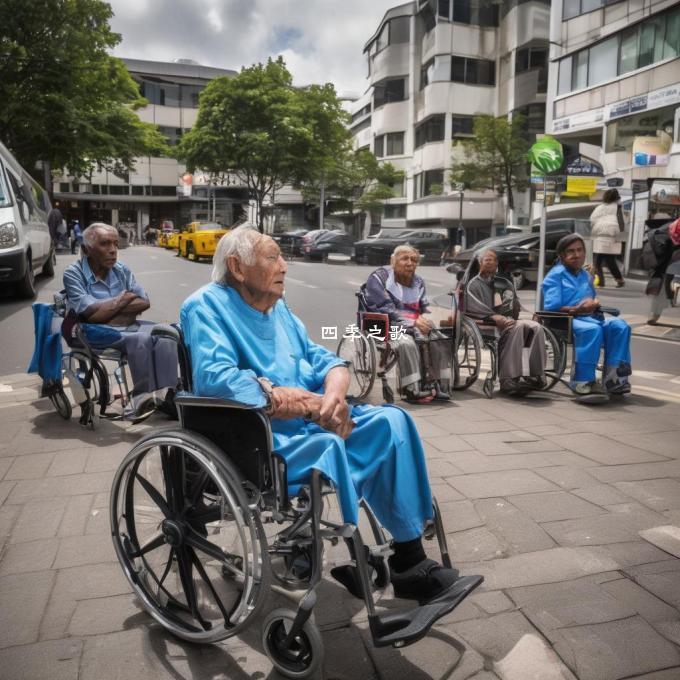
(403,627)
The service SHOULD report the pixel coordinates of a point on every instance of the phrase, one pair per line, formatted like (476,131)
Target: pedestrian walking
(76,237)
(607,222)
(54,220)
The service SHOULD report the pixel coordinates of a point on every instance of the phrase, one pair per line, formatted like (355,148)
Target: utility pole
(322,201)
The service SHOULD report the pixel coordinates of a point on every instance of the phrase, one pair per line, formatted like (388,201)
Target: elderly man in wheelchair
(103,302)
(423,353)
(568,290)
(273,404)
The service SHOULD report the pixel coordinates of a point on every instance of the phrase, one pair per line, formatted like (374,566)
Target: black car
(517,255)
(290,242)
(377,251)
(331,242)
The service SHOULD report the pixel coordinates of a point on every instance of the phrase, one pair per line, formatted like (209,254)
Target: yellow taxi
(200,239)
(173,240)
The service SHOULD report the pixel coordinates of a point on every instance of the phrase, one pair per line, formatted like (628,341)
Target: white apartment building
(614,84)
(150,193)
(433,65)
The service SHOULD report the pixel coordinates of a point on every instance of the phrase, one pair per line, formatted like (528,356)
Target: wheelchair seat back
(375,324)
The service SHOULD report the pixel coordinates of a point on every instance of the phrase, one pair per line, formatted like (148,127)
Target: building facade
(432,66)
(151,193)
(614,85)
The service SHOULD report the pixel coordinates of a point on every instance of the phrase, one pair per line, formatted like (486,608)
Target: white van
(26,248)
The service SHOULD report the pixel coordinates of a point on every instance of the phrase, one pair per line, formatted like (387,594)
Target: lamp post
(460,232)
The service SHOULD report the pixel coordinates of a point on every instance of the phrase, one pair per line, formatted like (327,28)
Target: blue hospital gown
(562,288)
(231,344)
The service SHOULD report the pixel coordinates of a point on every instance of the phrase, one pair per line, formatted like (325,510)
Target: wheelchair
(369,354)
(189,508)
(560,324)
(89,373)
(475,335)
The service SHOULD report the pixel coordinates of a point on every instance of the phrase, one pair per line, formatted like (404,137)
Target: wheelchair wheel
(300,657)
(61,403)
(556,358)
(468,355)
(359,352)
(189,542)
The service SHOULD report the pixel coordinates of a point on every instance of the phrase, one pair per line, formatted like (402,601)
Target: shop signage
(582,166)
(665,96)
(577,120)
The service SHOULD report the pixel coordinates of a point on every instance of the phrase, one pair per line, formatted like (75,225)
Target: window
(646,43)
(473,71)
(444,9)
(428,180)
(171,134)
(572,8)
(534,115)
(379,146)
(394,32)
(394,212)
(462,126)
(533,58)
(426,73)
(430,130)
(64,187)
(389,91)
(361,126)
(394,143)
(189,95)
(361,113)
(475,12)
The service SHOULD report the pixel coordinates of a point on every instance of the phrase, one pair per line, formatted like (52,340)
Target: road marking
(300,283)
(358,284)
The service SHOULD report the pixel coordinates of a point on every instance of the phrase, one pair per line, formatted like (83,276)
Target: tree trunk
(511,198)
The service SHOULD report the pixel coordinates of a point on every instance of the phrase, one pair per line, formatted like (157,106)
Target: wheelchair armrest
(185,399)
(165,330)
(612,311)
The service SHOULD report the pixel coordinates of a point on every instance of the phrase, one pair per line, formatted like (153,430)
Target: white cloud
(321,40)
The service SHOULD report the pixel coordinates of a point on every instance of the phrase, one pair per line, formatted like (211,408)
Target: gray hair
(90,234)
(240,243)
(403,249)
(482,253)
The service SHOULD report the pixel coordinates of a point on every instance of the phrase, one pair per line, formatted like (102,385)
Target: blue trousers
(382,462)
(590,334)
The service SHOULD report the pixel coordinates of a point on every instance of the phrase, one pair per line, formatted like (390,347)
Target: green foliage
(495,158)
(64,100)
(267,132)
(436,190)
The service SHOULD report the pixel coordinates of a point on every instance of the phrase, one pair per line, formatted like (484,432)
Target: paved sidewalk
(543,497)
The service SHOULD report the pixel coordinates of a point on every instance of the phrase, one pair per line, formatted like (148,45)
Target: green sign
(546,156)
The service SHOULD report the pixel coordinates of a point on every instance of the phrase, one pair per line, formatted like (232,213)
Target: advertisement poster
(651,150)
(581,186)
(185,185)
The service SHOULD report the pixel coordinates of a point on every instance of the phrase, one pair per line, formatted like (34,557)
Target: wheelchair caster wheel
(61,403)
(300,657)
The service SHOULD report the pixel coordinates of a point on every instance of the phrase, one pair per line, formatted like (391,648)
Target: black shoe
(536,382)
(624,369)
(418,396)
(426,582)
(439,394)
(510,385)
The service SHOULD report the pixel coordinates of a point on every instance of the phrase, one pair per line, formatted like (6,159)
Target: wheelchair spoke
(201,571)
(212,513)
(151,545)
(173,477)
(197,486)
(154,494)
(184,564)
(197,541)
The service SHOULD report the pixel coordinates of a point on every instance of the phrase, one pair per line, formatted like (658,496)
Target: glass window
(473,71)
(394,144)
(392,212)
(433,179)
(579,74)
(5,198)
(426,73)
(486,72)
(590,5)
(672,37)
(458,69)
(444,9)
(462,126)
(629,50)
(383,38)
(647,31)
(430,130)
(564,79)
(522,60)
(603,61)
(399,30)
(571,8)
(379,146)
(389,91)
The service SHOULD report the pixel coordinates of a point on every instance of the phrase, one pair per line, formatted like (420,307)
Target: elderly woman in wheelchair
(275,421)
(568,291)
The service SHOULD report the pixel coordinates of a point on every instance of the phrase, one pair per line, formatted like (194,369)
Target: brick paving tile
(493,484)
(23,598)
(555,505)
(604,450)
(22,558)
(75,551)
(53,660)
(657,494)
(68,463)
(601,494)
(32,466)
(39,519)
(568,477)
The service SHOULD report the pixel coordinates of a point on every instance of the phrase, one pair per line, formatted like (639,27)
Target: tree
(265,131)
(495,158)
(355,180)
(65,101)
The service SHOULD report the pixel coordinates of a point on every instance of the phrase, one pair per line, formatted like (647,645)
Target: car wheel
(518,279)
(26,287)
(48,267)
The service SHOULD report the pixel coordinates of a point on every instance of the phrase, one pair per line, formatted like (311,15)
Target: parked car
(200,239)
(332,242)
(290,242)
(26,248)
(517,255)
(377,251)
(580,226)
(310,237)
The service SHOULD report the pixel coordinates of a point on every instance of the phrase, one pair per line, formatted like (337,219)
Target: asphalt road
(322,295)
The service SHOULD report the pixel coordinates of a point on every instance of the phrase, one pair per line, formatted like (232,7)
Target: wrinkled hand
(423,324)
(334,415)
(503,322)
(588,306)
(294,402)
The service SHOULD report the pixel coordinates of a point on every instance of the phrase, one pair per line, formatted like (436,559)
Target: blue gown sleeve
(214,359)
(552,294)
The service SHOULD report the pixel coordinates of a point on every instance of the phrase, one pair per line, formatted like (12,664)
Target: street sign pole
(541,251)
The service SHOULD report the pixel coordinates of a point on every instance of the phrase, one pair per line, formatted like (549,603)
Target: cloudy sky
(320,40)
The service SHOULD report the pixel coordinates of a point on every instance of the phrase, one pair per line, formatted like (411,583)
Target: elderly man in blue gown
(568,287)
(246,345)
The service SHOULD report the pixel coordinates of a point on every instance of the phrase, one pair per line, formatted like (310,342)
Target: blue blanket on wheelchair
(46,359)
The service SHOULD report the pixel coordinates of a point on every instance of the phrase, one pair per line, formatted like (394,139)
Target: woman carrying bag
(607,221)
